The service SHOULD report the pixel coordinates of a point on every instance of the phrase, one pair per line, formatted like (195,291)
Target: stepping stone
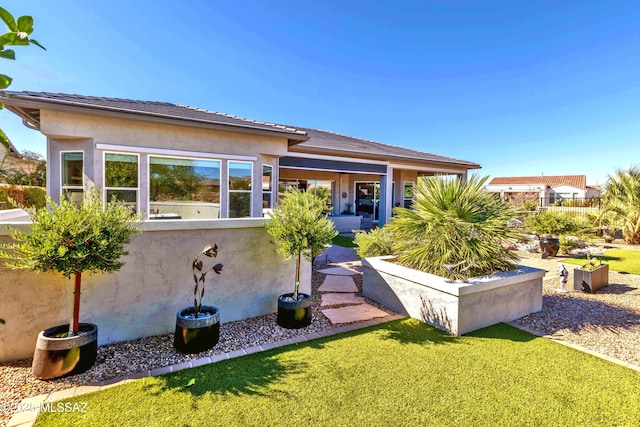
(338,284)
(338,271)
(341,299)
(353,313)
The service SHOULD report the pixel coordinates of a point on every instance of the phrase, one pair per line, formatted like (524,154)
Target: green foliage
(18,35)
(377,242)
(568,244)
(71,238)
(404,372)
(34,197)
(620,206)
(298,225)
(453,222)
(551,223)
(529,205)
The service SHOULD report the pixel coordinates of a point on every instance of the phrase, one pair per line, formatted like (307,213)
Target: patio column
(386,194)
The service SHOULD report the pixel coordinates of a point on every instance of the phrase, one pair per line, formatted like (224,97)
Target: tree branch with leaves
(19,35)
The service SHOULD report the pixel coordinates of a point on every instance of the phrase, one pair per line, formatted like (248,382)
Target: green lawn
(620,260)
(402,373)
(344,241)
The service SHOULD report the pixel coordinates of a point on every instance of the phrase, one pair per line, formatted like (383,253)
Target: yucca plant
(621,203)
(454,229)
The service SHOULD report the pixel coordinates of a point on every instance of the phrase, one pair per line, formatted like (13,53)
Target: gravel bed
(126,358)
(607,321)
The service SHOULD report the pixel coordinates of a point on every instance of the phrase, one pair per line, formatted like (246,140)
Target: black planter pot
(194,335)
(294,314)
(550,245)
(57,357)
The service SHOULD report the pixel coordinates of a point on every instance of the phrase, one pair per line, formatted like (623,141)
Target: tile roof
(323,140)
(576,181)
(318,140)
(148,108)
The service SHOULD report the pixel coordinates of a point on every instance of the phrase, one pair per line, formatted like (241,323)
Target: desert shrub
(551,223)
(35,197)
(529,205)
(377,242)
(454,222)
(23,196)
(568,243)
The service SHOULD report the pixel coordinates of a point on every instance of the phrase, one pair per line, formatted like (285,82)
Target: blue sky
(521,87)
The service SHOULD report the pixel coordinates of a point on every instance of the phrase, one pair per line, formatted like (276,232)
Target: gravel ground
(607,321)
(121,359)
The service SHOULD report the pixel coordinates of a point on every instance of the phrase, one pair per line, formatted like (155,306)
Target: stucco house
(178,162)
(546,189)
(200,177)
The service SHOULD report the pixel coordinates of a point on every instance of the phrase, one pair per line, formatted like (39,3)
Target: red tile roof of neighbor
(576,181)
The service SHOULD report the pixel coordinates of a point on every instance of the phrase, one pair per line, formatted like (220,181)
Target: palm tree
(454,224)
(621,203)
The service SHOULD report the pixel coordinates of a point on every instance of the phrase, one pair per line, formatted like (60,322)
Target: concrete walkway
(339,298)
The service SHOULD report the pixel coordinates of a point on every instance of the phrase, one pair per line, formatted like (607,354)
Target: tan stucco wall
(143,297)
(73,131)
(112,130)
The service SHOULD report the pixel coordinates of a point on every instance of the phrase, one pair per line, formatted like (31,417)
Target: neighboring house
(547,189)
(180,162)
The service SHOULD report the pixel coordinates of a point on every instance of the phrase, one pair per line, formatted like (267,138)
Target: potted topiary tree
(198,327)
(300,228)
(71,239)
(548,226)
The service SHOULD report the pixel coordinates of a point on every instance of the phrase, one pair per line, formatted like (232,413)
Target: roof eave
(65,106)
(359,154)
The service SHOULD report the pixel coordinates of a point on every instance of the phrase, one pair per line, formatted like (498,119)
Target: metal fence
(576,206)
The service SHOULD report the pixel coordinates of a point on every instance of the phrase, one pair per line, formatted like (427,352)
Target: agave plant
(621,203)
(200,273)
(454,229)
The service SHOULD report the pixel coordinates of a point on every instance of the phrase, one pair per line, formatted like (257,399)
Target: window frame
(169,156)
(270,191)
(404,196)
(104,178)
(71,187)
(229,190)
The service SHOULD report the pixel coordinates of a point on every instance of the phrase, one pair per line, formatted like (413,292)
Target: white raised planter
(456,308)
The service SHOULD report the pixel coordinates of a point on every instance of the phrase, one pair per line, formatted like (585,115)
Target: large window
(121,178)
(183,188)
(267,186)
(240,189)
(72,179)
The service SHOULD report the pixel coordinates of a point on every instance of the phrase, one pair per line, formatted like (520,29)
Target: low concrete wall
(457,308)
(143,297)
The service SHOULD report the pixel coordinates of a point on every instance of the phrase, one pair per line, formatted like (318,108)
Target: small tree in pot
(548,226)
(71,239)
(300,228)
(198,327)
